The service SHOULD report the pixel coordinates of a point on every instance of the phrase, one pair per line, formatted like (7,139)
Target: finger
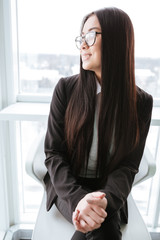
(89,220)
(89,224)
(76,222)
(78,227)
(98,201)
(99,211)
(98,194)
(86,223)
(84,226)
(96,217)
(96,220)
(75,215)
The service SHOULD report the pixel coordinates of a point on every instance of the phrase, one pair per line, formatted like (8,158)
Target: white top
(92,162)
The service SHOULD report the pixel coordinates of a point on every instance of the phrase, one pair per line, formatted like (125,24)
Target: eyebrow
(92,29)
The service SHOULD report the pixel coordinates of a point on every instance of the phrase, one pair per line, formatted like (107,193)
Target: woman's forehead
(92,23)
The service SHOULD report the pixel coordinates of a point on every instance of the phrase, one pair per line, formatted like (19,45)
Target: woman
(97,128)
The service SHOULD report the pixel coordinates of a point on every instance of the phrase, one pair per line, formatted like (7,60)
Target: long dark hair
(118,121)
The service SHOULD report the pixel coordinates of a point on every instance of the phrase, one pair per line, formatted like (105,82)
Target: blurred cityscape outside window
(39,73)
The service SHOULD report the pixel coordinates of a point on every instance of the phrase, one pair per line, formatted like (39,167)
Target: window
(46,45)
(30,191)
(146,193)
(148,75)
(47,52)
(43,33)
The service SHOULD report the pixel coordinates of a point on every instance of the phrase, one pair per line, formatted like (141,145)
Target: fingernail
(103,195)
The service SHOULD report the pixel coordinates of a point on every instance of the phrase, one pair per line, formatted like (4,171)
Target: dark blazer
(59,179)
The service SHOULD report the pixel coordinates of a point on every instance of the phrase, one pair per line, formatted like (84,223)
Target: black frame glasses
(89,39)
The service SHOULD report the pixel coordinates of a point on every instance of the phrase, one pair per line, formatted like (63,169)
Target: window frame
(6,97)
(10,95)
(24,97)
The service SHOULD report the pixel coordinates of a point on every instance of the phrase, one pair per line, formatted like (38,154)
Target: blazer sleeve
(61,177)
(119,182)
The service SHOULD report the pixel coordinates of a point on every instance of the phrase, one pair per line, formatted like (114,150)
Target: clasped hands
(90,212)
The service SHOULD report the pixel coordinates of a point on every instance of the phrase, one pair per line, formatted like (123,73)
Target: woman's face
(91,56)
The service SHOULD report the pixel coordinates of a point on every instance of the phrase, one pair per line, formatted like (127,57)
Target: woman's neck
(98,77)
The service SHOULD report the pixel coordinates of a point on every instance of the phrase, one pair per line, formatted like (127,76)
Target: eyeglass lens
(89,38)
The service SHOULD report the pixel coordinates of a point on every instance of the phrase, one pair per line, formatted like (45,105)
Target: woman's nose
(84,44)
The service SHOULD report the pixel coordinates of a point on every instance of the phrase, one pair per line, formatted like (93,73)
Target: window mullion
(8,95)
(8,180)
(4,210)
(13,174)
(9,161)
(156,212)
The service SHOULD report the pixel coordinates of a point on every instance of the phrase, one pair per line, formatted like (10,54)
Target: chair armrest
(151,163)
(147,167)
(136,228)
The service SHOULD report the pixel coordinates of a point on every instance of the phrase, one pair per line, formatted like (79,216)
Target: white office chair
(49,224)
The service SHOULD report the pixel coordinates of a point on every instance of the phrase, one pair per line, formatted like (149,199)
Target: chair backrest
(147,167)
(49,224)
(35,163)
(35,160)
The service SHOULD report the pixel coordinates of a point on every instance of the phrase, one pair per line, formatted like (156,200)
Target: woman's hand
(90,212)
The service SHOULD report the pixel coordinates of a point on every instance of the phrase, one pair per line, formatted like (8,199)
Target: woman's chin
(85,66)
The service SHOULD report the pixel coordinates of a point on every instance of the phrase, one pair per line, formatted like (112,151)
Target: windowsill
(39,112)
(25,112)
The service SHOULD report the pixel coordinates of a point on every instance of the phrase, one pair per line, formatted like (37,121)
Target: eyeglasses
(89,39)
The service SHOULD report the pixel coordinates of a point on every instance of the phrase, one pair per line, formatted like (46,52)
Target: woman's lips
(85,57)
